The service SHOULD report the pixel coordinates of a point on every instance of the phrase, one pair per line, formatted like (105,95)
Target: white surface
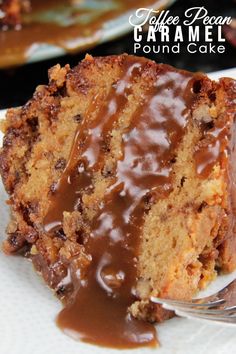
(28,310)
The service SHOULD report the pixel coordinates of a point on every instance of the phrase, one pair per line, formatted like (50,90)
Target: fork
(219,307)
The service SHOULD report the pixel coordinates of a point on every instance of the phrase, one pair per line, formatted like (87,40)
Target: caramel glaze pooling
(97,311)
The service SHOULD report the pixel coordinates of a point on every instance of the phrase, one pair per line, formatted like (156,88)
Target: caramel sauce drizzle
(207,156)
(97,312)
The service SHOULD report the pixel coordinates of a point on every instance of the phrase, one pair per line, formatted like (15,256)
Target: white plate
(28,310)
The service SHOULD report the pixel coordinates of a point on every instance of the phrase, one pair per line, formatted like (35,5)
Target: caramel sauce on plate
(62,24)
(97,311)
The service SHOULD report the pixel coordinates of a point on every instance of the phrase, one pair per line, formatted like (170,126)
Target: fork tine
(189,309)
(223,312)
(215,308)
(204,311)
(229,319)
(231,308)
(187,304)
(228,310)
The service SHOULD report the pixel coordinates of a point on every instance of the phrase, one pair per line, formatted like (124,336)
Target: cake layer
(121,181)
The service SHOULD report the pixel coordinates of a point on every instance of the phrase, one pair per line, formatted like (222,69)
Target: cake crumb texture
(186,237)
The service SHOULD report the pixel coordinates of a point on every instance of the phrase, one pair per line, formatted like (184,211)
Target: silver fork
(219,307)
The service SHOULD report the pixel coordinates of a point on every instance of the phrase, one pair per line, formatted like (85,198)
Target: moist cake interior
(121,181)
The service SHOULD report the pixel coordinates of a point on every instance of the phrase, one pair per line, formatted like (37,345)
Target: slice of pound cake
(121,175)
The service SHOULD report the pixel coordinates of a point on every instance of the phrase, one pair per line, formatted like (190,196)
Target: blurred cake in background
(10,12)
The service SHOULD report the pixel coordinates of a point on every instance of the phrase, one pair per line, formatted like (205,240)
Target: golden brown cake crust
(184,238)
